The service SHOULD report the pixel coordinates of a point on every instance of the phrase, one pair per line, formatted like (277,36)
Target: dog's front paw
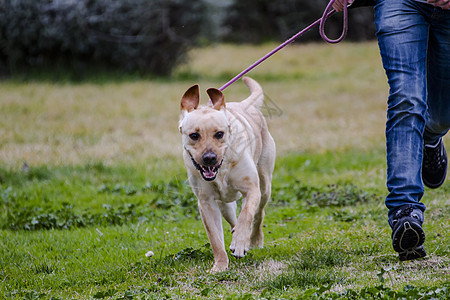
(239,245)
(219,267)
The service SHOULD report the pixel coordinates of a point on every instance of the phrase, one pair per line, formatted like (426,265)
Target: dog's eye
(219,135)
(194,136)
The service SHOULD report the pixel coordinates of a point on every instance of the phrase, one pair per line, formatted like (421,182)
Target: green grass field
(92,179)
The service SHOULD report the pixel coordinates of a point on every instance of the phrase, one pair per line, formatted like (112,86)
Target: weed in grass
(44,268)
(28,204)
(175,195)
(319,258)
(335,195)
(24,175)
(287,193)
(346,215)
(409,292)
(311,267)
(37,218)
(190,255)
(104,294)
(303,279)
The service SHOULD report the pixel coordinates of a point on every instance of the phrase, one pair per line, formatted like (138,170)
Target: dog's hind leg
(228,212)
(257,235)
(265,170)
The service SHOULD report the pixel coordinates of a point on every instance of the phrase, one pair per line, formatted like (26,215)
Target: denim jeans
(414,42)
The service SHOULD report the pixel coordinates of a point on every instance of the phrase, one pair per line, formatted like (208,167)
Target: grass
(91,179)
(60,123)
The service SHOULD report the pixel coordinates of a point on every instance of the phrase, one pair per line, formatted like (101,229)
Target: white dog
(228,153)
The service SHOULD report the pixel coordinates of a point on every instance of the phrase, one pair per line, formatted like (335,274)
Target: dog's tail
(256,97)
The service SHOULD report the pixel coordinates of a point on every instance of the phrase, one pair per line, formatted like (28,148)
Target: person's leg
(434,167)
(438,77)
(402,32)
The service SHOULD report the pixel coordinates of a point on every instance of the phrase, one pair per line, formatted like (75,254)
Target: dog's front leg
(212,220)
(240,243)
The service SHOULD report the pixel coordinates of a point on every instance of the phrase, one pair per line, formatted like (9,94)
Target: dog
(228,153)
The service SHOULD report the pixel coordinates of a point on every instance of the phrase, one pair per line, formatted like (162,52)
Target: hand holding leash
(339,5)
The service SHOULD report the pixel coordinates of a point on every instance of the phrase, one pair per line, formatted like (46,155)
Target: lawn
(92,180)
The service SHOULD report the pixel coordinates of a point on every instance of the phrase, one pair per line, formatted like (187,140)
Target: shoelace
(406,212)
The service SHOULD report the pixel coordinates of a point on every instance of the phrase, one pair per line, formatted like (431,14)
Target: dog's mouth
(208,173)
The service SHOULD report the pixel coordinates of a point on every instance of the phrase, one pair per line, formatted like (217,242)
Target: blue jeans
(414,41)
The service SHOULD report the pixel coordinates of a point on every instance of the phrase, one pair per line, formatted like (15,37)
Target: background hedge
(148,36)
(262,20)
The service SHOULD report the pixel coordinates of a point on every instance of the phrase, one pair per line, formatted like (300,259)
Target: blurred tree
(147,36)
(257,21)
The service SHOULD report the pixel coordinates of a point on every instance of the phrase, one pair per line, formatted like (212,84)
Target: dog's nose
(209,158)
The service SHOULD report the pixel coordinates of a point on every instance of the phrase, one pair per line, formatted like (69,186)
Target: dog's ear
(190,99)
(217,98)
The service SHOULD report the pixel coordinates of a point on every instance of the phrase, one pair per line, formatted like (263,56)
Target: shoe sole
(408,238)
(419,252)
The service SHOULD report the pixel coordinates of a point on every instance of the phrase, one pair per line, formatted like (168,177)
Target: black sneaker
(407,233)
(434,165)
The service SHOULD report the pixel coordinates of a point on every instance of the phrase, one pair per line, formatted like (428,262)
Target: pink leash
(326,14)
